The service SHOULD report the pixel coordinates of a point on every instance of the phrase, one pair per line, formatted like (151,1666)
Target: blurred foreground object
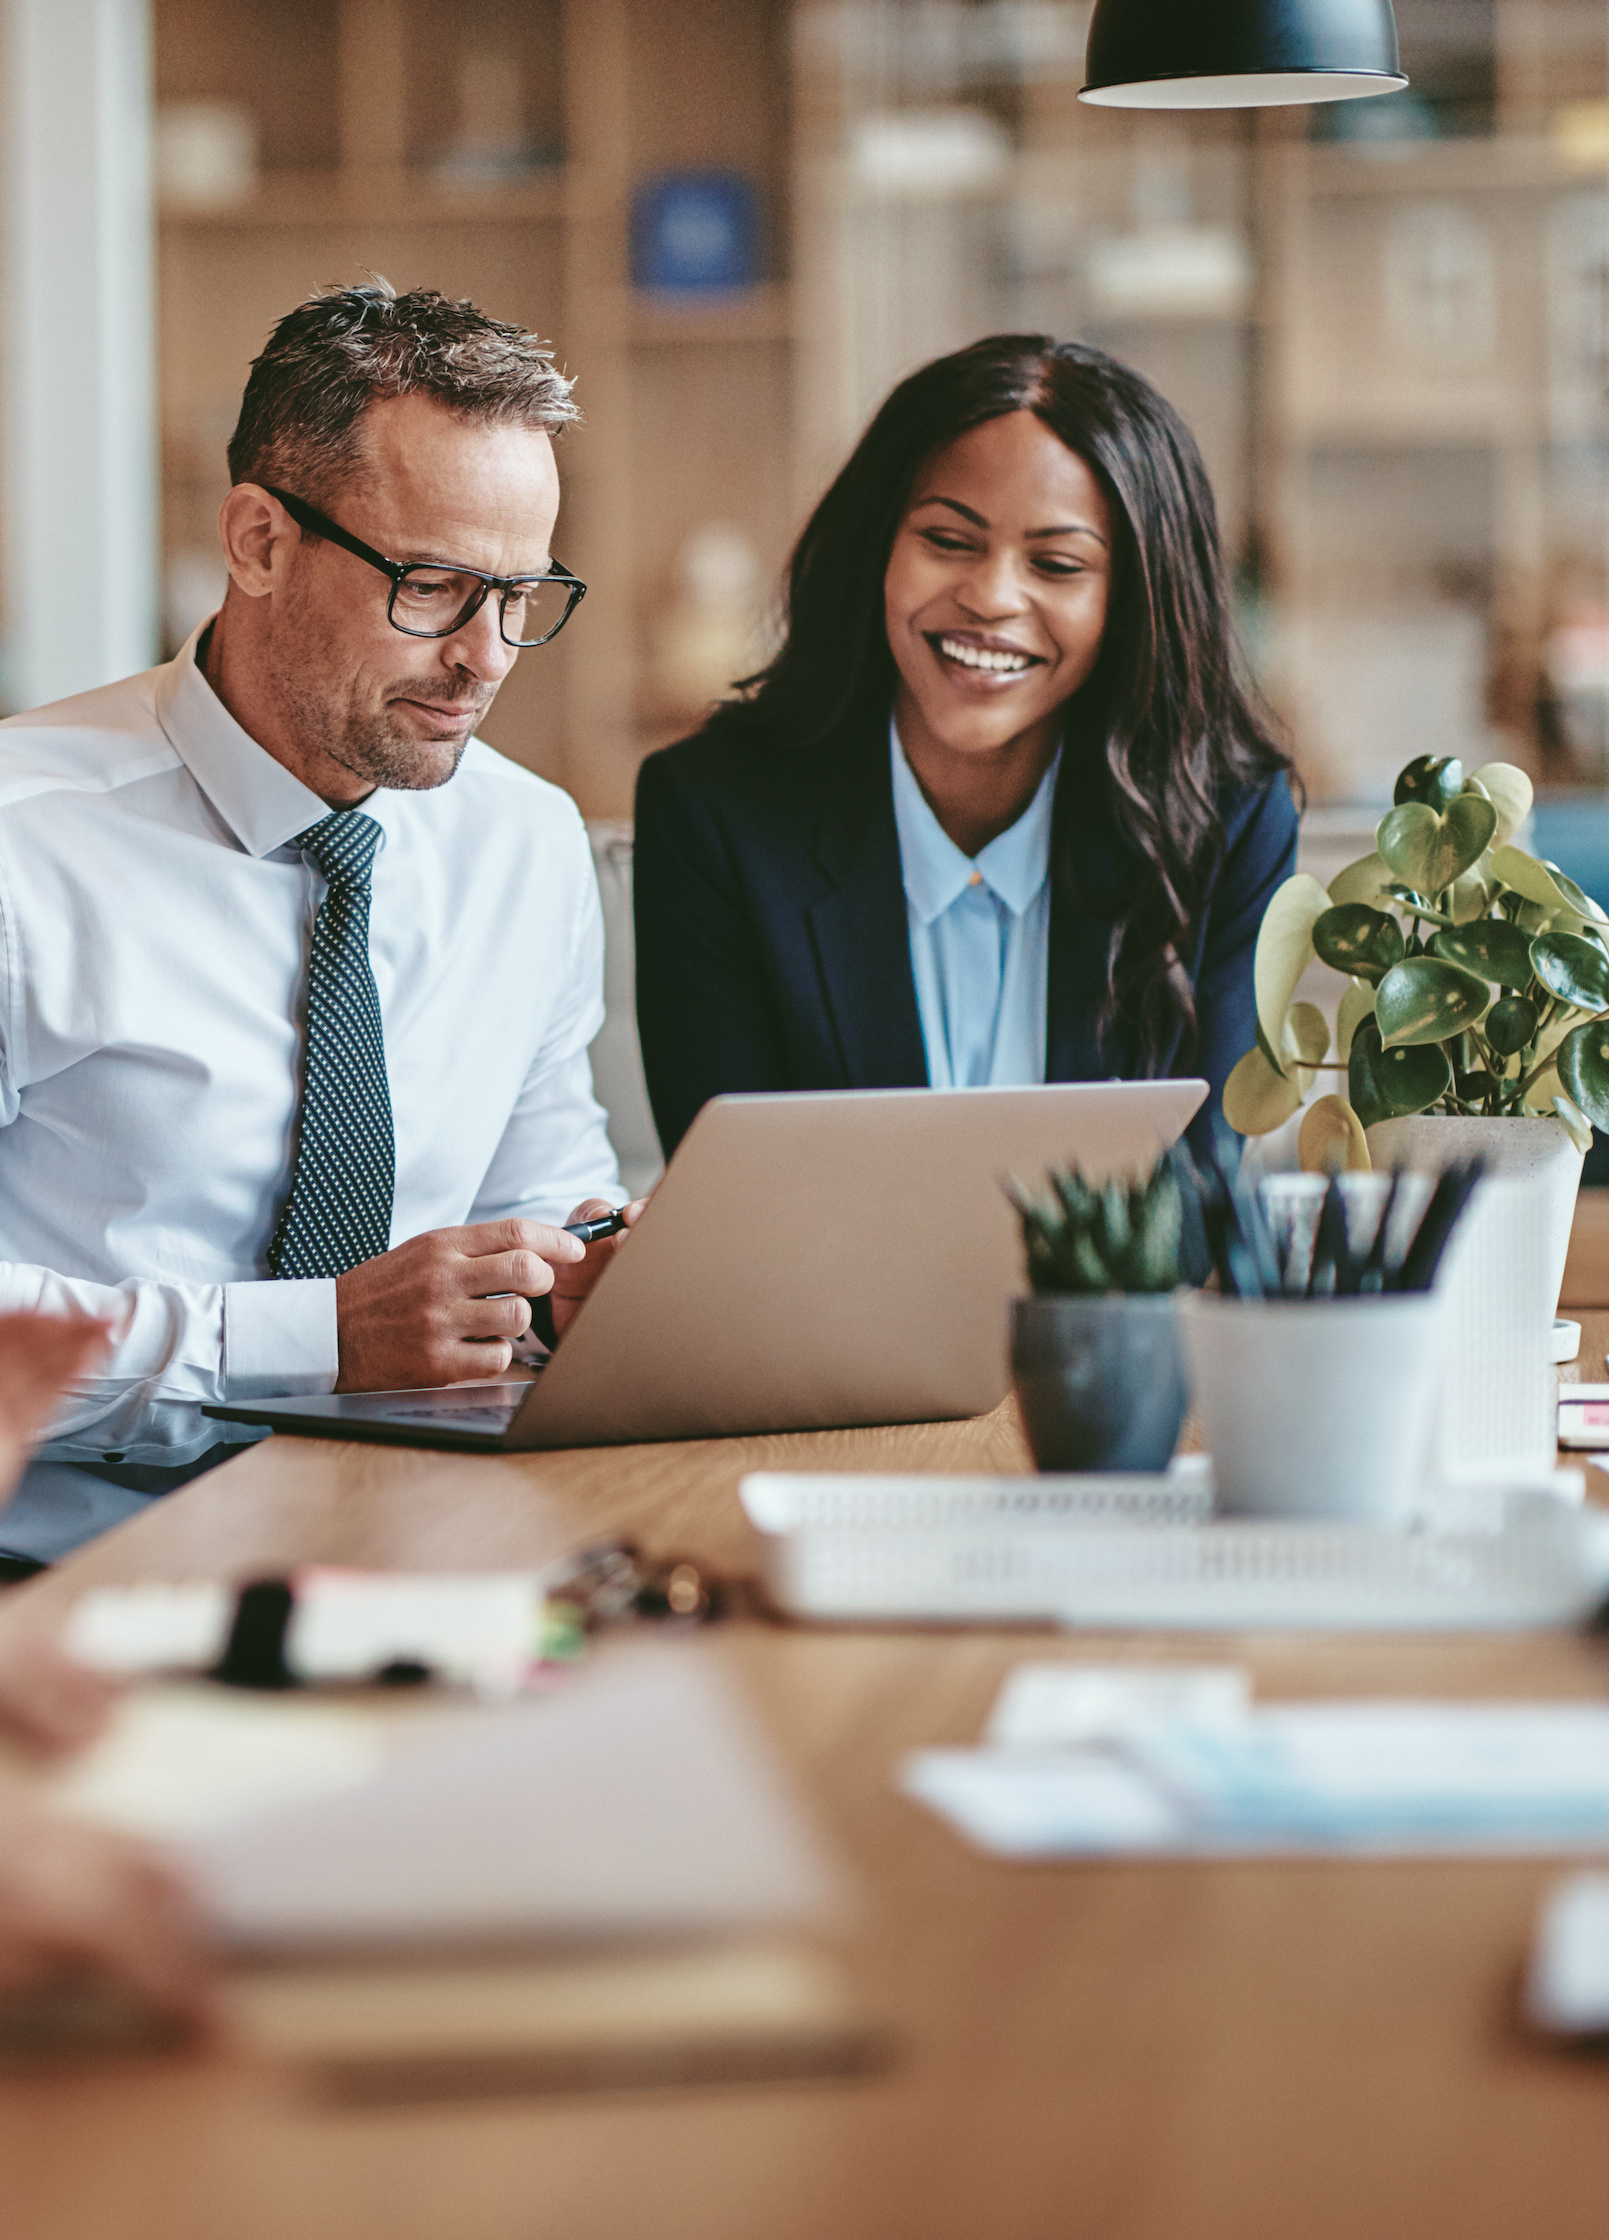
(78,1905)
(81,1905)
(609,1885)
(1567,1988)
(41,1355)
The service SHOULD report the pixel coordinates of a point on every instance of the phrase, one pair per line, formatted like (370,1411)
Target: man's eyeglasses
(433,598)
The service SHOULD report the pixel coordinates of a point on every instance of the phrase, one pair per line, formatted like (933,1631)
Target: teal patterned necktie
(339,1210)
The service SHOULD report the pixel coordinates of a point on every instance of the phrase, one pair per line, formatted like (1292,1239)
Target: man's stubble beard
(362,740)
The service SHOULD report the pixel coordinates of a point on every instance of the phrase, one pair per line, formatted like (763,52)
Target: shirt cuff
(279,1338)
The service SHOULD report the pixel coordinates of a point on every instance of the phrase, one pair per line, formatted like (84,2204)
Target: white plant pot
(1501,1280)
(1316,1408)
(1535,1152)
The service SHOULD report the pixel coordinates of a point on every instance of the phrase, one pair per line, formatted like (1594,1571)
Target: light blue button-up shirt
(980,937)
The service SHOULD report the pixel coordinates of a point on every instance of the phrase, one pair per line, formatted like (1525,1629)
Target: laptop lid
(831,1258)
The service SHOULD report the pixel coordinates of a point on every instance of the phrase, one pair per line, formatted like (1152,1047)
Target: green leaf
(1472,898)
(1431,851)
(1573,969)
(1356,1005)
(1331,1140)
(1576,1123)
(1115,1221)
(1584,1069)
(1492,948)
(1577,897)
(1261,1095)
(1258,1097)
(1516,870)
(1509,791)
(1510,1025)
(1433,778)
(1416,906)
(1307,1039)
(1361,942)
(1423,1000)
(1363,881)
(1389,1084)
(1284,951)
(1476,1087)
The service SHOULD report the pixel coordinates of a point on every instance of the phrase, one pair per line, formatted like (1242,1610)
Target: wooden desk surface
(1134,2052)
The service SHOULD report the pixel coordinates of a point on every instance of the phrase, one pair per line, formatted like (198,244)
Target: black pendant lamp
(1238,54)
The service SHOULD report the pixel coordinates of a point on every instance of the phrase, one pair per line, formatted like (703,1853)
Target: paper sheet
(1568,1986)
(1193,1774)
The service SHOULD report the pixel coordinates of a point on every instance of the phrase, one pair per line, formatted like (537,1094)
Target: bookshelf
(688,407)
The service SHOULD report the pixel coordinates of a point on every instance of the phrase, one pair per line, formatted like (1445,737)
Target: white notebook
(635,1800)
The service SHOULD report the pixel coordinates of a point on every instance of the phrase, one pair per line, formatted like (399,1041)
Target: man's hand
(445,1307)
(572,1282)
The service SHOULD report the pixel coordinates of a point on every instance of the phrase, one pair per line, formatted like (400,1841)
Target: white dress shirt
(980,937)
(155,932)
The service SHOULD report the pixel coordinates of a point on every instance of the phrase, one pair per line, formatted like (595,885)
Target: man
(297,977)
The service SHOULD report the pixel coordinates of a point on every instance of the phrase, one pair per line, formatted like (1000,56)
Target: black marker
(601,1225)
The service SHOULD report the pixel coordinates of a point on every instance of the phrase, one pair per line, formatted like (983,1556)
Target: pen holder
(1316,1408)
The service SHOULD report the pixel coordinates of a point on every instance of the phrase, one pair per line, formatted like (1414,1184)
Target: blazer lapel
(1076,988)
(1090,870)
(859,929)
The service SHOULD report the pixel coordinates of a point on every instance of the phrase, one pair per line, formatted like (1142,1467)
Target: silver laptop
(807,1262)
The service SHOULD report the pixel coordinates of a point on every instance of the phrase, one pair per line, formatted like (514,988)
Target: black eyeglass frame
(320,524)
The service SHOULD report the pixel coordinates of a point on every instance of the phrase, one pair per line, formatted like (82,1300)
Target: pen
(601,1225)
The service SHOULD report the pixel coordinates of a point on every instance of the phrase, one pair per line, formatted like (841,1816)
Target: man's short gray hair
(327,361)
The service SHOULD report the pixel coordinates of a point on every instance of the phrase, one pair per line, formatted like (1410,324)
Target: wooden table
(1122,2051)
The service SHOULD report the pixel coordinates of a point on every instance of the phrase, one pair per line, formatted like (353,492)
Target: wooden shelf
(333,198)
(1501,163)
(687,407)
(761,314)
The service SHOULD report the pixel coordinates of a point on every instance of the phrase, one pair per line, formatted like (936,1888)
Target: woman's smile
(993,661)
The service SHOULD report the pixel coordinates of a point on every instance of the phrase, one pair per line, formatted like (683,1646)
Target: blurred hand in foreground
(80,1901)
(40,1355)
(75,1900)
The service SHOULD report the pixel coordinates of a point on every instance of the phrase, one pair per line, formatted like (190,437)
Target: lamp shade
(1238,54)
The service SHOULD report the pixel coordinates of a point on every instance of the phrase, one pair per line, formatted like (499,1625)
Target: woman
(999,810)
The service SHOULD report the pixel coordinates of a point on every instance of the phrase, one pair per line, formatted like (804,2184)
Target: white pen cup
(1317,1408)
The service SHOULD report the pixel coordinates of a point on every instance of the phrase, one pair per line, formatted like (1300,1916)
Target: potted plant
(1475,1017)
(1095,1352)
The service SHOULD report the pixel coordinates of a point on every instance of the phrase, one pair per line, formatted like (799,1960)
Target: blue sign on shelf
(695,233)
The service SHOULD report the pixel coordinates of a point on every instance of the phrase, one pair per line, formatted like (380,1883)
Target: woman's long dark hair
(1180,732)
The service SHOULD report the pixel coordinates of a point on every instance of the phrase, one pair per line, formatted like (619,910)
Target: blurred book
(610,1884)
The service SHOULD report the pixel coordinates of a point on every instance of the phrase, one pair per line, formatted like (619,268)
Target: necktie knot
(342,845)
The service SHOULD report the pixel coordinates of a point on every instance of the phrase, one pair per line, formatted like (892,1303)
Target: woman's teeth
(978,657)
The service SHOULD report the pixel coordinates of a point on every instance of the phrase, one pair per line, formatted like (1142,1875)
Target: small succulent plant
(1088,1237)
(1477,977)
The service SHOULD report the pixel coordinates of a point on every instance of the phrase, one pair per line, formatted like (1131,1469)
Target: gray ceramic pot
(1101,1381)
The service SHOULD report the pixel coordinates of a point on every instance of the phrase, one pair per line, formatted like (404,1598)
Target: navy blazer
(773,948)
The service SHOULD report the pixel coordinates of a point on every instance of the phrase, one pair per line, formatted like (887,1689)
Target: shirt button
(976,879)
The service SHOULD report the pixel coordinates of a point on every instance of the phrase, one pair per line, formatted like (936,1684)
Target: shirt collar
(263,804)
(1014,865)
